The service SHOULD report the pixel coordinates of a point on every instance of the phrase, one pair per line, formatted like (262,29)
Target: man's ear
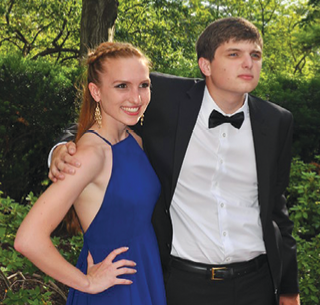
(95,91)
(204,65)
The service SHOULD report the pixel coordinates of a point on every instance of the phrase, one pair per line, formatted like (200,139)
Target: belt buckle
(213,273)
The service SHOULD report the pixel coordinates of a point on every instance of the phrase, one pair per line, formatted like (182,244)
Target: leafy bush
(304,197)
(309,269)
(20,281)
(36,102)
(301,96)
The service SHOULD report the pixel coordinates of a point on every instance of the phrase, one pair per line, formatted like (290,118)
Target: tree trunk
(97,23)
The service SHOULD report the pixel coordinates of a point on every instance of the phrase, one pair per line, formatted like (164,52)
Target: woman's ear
(95,91)
(204,65)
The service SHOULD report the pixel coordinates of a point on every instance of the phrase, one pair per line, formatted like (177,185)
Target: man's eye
(256,55)
(233,54)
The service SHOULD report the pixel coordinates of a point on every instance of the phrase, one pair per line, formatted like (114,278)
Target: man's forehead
(235,43)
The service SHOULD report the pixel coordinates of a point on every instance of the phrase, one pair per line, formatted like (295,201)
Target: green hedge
(302,97)
(20,281)
(304,198)
(36,102)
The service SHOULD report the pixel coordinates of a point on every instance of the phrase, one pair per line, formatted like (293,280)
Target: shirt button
(224,234)
(228,259)
(224,134)
(221,161)
(222,204)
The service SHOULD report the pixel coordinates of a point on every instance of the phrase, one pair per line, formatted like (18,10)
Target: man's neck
(229,103)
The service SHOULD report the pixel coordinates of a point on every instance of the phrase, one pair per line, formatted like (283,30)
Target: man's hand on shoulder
(63,161)
(289,299)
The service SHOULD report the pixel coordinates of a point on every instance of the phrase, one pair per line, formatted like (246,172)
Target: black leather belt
(217,272)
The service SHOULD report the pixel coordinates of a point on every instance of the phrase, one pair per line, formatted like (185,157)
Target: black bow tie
(216,119)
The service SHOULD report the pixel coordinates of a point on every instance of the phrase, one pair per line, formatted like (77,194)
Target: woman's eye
(145,85)
(121,86)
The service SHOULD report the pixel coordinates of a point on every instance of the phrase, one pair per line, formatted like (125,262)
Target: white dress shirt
(215,210)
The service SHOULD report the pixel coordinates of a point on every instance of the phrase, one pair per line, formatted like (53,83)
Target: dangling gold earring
(97,115)
(141,119)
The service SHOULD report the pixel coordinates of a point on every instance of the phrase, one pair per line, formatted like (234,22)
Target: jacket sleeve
(68,134)
(280,215)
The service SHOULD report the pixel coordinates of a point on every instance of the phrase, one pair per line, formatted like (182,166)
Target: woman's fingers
(105,274)
(124,262)
(113,254)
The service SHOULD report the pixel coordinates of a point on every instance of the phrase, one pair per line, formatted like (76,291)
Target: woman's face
(124,93)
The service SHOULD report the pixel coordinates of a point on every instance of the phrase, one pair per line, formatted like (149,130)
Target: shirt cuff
(51,152)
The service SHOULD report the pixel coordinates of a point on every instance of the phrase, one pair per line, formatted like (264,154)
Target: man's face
(235,69)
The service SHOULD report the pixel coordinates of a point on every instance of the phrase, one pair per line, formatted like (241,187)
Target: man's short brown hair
(225,30)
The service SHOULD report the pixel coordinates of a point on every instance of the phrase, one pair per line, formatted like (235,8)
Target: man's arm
(289,287)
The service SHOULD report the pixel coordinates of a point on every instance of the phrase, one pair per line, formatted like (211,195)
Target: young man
(223,159)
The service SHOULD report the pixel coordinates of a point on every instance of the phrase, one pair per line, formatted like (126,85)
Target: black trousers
(188,288)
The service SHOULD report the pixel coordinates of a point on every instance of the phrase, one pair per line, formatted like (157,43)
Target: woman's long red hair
(95,69)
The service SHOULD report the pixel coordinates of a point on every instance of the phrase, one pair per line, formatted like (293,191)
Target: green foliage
(11,216)
(309,269)
(165,30)
(40,28)
(304,199)
(24,282)
(28,296)
(36,102)
(304,190)
(301,96)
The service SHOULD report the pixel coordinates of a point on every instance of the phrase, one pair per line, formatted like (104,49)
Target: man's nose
(247,61)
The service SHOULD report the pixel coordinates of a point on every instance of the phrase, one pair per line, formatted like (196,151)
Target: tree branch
(35,36)
(54,42)
(50,51)
(76,56)
(9,11)
(297,67)
(6,281)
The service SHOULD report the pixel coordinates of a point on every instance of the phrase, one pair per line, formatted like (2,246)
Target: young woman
(113,193)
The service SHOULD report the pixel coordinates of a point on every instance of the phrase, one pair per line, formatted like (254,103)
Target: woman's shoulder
(92,151)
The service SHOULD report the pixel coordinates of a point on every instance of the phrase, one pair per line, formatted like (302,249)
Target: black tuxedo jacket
(168,124)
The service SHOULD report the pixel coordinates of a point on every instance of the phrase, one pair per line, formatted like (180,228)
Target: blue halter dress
(124,219)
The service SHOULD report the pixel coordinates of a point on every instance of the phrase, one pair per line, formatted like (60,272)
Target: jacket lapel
(188,114)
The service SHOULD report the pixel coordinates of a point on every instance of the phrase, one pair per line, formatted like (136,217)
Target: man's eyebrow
(232,49)
(241,50)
